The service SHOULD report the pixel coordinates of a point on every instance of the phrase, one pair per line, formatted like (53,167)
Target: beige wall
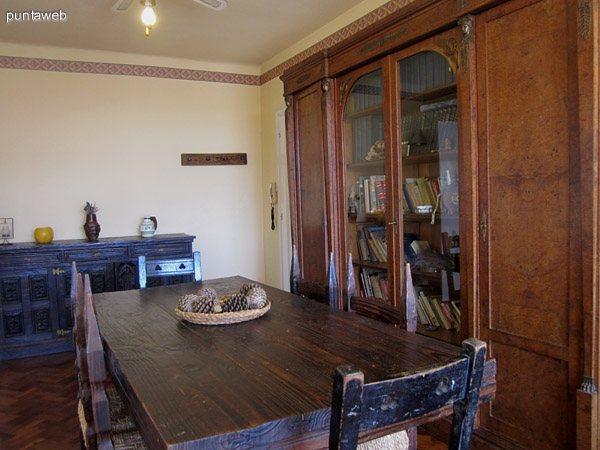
(115,140)
(271,100)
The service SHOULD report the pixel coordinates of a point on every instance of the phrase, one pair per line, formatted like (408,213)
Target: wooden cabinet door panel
(27,307)
(528,218)
(309,175)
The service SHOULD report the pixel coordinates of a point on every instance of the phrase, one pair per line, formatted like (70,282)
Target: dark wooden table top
(265,383)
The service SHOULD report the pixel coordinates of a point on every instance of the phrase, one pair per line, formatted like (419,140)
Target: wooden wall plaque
(214,159)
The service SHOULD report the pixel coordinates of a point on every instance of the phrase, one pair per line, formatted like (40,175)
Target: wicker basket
(223,318)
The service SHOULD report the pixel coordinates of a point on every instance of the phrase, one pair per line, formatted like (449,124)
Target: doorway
(283,210)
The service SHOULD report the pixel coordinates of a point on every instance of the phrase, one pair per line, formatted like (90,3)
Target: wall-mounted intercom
(272,198)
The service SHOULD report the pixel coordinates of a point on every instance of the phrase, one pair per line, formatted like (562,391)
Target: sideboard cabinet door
(27,306)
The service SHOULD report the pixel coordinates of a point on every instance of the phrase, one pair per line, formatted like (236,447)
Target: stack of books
(373,283)
(372,245)
(433,311)
(371,193)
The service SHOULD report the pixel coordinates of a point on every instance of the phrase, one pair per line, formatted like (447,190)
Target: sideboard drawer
(174,248)
(95,254)
(19,258)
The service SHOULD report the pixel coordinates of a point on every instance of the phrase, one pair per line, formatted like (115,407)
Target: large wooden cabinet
(35,285)
(492,106)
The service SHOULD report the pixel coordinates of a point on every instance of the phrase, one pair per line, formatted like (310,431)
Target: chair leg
(412,438)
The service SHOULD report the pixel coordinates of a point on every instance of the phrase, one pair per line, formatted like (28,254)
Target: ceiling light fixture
(148,16)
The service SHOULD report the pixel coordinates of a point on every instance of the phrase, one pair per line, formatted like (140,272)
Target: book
(447,310)
(373,199)
(406,198)
(379,184)
(449,318)
(422,184)
(376,286)
(435,306)
(427,306)
(361,195)
(455,308)
(376,237)
(367,191)
(365,245)
(363,249)
(383,282)
(365,290)
(414,193)
(421,314)
(419,246)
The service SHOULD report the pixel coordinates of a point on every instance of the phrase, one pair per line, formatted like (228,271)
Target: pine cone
(207,292)
(247,286)
(257,298)
(238,302)
(186,301)
(207,305)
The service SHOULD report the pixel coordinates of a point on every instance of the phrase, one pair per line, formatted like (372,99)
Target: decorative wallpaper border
(55,65)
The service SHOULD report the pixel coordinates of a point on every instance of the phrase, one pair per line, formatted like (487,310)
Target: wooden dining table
(264,383)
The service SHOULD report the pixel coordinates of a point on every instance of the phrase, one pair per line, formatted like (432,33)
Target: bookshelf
(429,174)
(427,156)
(527,175)
(365,163)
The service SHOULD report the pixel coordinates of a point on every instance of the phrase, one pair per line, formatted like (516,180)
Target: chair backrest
(77,304)
(96,372)
(324,294)
(81,367)
(357,406)
(156,267)
(379,309)
(80,293)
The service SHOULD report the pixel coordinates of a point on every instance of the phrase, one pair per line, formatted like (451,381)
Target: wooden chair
(77,308)
(156,267)
(382,311)
(358,407)
(324,294)
(103,420)
(379,309)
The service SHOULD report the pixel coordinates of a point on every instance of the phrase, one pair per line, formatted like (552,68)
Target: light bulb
(148,16)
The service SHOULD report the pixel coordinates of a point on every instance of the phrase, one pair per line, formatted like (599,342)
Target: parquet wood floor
(38,405)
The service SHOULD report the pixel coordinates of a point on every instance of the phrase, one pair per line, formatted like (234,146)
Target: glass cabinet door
(365,163)
(430,186)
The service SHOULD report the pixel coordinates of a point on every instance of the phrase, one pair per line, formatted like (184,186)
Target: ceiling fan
(217,5)
(148,15)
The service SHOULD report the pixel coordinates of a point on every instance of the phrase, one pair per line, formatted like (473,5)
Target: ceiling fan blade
(121,5)
(217,5)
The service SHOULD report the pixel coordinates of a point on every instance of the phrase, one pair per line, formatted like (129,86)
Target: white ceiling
(246,32)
